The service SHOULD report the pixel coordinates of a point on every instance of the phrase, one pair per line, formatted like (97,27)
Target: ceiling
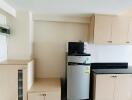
(68,7)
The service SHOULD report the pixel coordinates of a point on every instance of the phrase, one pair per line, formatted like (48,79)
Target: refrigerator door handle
(77,64)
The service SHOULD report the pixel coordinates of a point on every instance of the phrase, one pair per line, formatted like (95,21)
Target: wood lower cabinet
(123,87)
(8,84)
(105,86)
(45,89)
(16,77)
(112,87)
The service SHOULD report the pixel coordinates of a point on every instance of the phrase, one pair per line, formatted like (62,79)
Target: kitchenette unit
(81,49)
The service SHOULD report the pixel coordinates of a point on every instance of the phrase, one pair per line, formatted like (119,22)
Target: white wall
(7,8)
(20,41)
(111,53)
(50,40)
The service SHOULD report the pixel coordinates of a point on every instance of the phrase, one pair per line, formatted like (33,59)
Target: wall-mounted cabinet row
(108,29)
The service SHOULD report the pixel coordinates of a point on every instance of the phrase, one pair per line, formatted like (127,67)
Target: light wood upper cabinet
(120,28)
(102,29)
(108,29)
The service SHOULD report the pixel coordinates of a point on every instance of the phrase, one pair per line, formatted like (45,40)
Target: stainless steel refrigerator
(78,76)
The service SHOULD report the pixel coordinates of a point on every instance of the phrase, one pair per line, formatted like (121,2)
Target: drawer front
(44,96)
(35,96)
(53,96)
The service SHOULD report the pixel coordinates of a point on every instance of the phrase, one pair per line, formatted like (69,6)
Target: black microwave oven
(75,48)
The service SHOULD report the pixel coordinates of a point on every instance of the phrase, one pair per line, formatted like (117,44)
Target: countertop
(113,71)
(46,85)
(15,62)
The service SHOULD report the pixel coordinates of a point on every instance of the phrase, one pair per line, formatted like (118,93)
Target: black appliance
(75,48)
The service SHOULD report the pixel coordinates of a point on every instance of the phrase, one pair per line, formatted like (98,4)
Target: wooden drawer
(45,89)
(44,96)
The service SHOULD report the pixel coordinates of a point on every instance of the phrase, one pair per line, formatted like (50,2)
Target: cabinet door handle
(114,76)
(127,42)
(42,94)
(109,41)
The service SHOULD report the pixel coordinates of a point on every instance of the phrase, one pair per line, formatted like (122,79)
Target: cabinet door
(105,86)
(53,96)
(102,31)
(35,96)
(78,82)
(124,87)
(8,84)
(120,28)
